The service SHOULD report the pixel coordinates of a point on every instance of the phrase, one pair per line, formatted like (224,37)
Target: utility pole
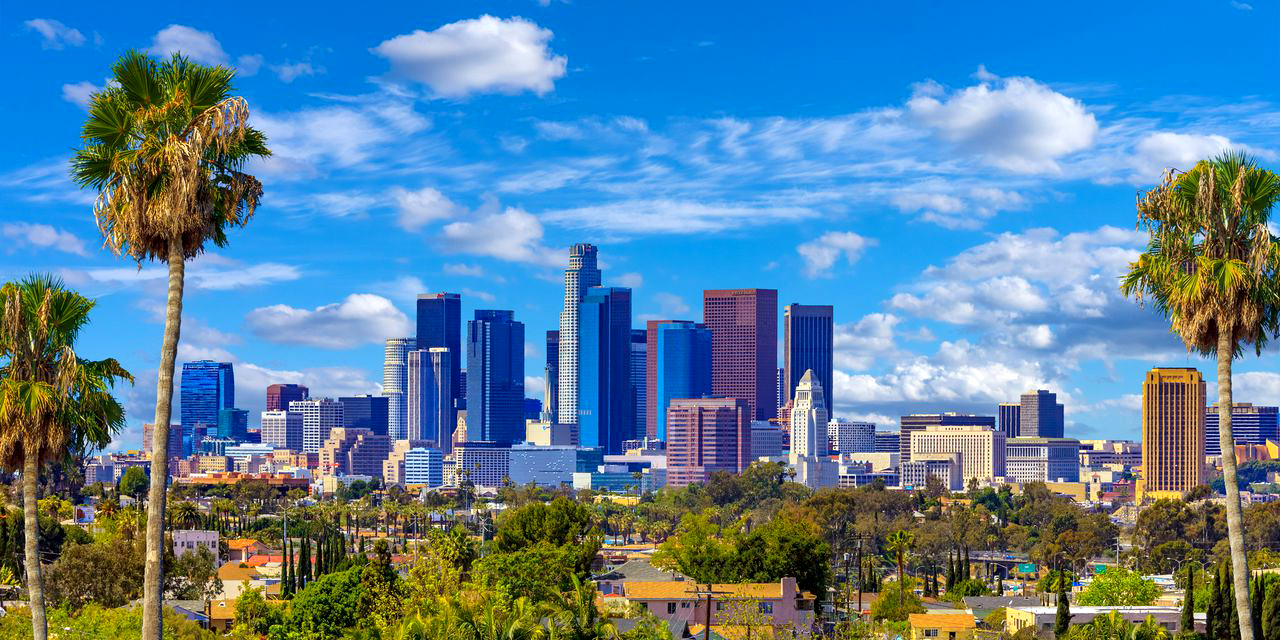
(858,544)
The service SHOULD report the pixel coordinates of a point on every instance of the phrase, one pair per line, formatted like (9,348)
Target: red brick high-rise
(706,435)
(280,395)
(744,347)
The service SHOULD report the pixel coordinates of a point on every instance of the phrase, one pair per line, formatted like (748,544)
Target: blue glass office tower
(606,416)
(366,412)
(807,337)
(682,367)
(440,325)
(207,388)
(234,424)
(495,378)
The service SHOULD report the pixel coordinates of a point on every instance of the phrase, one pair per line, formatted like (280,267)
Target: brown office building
(353,451)
(1172,432)
(706,435)
(744,347)
(280,395)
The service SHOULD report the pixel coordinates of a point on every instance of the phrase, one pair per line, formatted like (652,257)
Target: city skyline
(964,267)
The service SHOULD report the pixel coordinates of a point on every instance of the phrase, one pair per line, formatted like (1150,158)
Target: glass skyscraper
(681,367)
(207,388)
(581,275)
(440,325)
(807,333)
(366,412)
(1250,424)
(605,413)
(639,383)
(495,377)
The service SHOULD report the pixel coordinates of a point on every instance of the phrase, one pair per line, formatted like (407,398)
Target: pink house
(780,604)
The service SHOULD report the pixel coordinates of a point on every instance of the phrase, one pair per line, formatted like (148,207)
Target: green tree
(165,144)
(576,616)
(1062,621)
(107,573)
(193,576)
(896,601)
(1271,612)
(51,399)
(1211,268)
(562,523)
(254,614)
(134,482)
(1119,587)
(899,544)
(1188,620)
(327,606)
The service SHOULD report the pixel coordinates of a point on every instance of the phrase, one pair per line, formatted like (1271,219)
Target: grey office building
(1041,415)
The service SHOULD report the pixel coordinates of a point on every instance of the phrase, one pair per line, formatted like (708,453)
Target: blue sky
(957,181)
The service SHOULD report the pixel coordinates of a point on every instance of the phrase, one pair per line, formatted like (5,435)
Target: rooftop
(957,620)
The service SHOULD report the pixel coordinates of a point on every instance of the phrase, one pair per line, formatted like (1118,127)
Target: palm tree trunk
(35,584)
(1235,522)
(152,618)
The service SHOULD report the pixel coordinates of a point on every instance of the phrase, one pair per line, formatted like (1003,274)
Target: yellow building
(942,626)
(1173,401)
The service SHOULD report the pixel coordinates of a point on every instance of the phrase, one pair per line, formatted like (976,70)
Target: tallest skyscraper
(581,275)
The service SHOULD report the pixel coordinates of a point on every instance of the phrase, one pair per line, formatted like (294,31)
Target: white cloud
(362,318)
(513,235)
(348,136)
(633,280)
(1243,6)
(459,269)
(41,236)
(403,288)
(483,296)
(480,55)
(1162,150)
(198,45)
(673,216)
(1016,124)
(249,64)
(822,253)
(203,274)
(79,93)
(290,72)
(422,207)
(54,34)
(670,303)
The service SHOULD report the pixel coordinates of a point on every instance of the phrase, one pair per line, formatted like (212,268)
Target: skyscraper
(581,275)
(430,406)
(605,414)
(207,388)
(233,423)
(282,429)
(395,384)
(319,417)
(280,395)
(552,373)
(1250,424)
(639,381)
(366,412)
(495,377)
(918,421)
(679,353)
(807,345)
(851,436)
(744,346)
(809,417)
(1041,415)
(1010,418)
(440,325)
(1172,432)
(705,436)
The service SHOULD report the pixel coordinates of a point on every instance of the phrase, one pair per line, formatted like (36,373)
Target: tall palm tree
(577,616)
(51,400)
(185,514)
(164,146)
(899,543)
(1211,267)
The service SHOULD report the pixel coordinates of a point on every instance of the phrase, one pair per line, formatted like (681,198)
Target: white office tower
(809,458)
(430,416)
(851,436)
(395,368)
(581,275)
(282,429)
(319,417)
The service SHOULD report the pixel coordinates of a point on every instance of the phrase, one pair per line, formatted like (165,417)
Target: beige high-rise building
(982,449)
(1172,432)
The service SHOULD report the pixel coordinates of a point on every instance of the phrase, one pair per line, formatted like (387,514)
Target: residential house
(942,626)
(781,604)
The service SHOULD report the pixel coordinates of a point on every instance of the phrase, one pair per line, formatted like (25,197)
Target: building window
(684,605)
(671,607)
(951,635)
(930,633)
(766,607)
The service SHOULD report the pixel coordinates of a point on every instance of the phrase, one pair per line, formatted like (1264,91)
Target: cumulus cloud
(198,45)
(54,34)
(41,236)
(289,72)
(403,288)
(822,253)
(480,55)
(1016,124)
(513,235)
(249,64)
(1162,150)
(361,318)
(459,269)
(422,207)
(79,93)
(307,142)
(673,216)
(632,280)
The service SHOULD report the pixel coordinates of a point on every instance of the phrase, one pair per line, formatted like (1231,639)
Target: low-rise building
(185,540)
(1042,460)
(942,626)
(945,467)
(1042,618)
(781,603)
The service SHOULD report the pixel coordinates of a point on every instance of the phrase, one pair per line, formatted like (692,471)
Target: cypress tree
(1062,622)
(1213,614)
(304,563)
(951,571)
(286,574)
(322,559)
(1233,624)
(966,563)
(1255,598)
(1271,611)
(1188,621)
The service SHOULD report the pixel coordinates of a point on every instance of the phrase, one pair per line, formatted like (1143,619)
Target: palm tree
(185,514)
(577,617)
(51,400)
(164,146)
(899,543)
(1211,267)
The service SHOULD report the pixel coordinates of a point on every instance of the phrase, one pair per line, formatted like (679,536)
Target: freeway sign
(1026,567)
